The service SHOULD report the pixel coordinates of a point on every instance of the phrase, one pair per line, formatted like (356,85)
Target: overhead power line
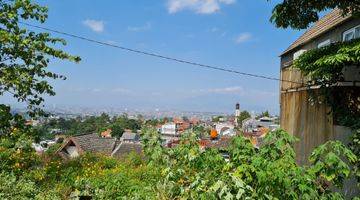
(158,55)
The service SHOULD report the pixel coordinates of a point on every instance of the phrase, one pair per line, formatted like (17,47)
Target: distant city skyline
(222,33)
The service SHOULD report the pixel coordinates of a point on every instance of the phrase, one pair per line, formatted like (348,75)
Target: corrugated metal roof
(326,23)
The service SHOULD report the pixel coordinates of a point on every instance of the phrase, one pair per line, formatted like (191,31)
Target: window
(298,53)
(351,34)
(324,43)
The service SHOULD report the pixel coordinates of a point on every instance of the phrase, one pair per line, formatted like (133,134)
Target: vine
(325,67)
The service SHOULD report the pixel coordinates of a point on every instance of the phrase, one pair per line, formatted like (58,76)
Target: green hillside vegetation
(183,172)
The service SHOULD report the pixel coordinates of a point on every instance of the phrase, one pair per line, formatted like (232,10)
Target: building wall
(309,122)
(334,35)
(169,129)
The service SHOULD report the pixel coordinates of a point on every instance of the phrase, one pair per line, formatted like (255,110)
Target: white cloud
(95,25)
(96,90)
(226,90)
(234,90)
(227,1)
(145,27)
(199,6)
(243,37)
(121,90)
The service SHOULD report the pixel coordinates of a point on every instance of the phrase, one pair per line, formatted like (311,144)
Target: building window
(298,53)
(351,33)
(324,43)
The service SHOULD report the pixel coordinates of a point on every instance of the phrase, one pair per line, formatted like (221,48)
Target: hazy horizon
(225,34)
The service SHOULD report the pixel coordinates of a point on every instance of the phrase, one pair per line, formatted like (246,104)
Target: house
(130,137)
(106,133)
(126,148)
(308,121)
(221,144)
(92,143)
(225,129)
(252,125)
(181,124)
(169,132)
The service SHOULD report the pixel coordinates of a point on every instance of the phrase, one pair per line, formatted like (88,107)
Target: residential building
(106,133)
(126,148)
(252,125)
(170,131)
(92,143)
(225,129)
(311,121)
(129,137)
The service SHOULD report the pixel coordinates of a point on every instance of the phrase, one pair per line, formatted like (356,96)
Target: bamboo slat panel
(291,74)
(310,123)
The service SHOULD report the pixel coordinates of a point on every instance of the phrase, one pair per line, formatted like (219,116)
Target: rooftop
(126,148)
(325,24)
(95,144)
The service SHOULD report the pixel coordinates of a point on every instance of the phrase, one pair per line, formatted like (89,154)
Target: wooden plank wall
(307,121)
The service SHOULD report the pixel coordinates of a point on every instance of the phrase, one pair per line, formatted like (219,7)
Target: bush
(12,187)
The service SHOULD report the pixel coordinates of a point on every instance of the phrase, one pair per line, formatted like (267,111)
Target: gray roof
(95,144)
(129,136)
(125,149)
(329,21)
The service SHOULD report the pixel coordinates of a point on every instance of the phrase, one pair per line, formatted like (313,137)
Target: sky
(235,34)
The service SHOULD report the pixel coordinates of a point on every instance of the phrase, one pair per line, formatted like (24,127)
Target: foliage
(9,122)
(97,124)
(263,114)
(153,148)
(325,64)
(25,55)
(131,180)
(184,172)
(116,130)
(324,67)
(328,165)
(271,172)
(243,115)
(201,130)
(16,153)
(217,118)
(13,188)
(299,14)
(152,122)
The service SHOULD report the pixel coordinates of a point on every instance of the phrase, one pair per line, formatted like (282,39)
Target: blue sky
(235,34)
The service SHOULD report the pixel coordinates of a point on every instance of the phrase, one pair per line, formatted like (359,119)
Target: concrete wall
(334,35)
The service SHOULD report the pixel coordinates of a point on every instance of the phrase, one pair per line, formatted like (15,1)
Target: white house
(169,132)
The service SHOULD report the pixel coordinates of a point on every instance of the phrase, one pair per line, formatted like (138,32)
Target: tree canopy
(299,14)
(25,55)
(243,115)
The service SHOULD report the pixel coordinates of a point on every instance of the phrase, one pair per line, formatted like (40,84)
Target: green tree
(116,130)
(25,56)
(152,122)
(270,172)
(263,114)
(299,14)
(243,115)
(216,118)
